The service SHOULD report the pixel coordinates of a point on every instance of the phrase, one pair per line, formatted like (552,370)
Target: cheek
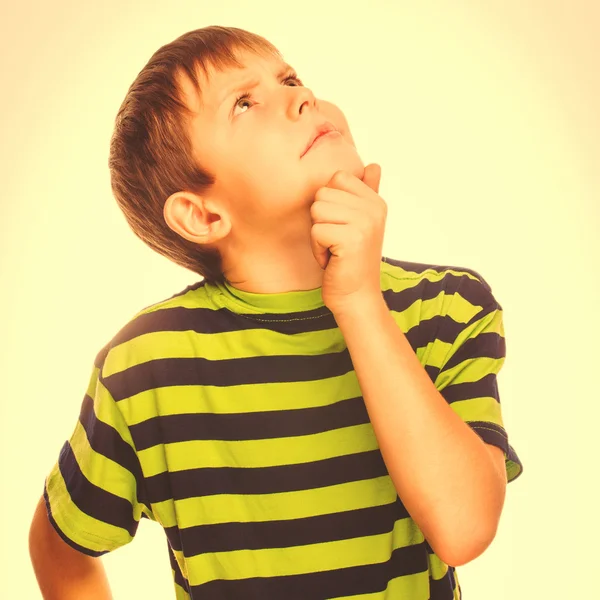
(266,176)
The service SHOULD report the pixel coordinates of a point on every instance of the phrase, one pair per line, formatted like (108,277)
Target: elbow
(462,544)
(466,549)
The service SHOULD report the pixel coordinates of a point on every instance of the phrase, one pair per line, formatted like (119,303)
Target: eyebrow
(250,84)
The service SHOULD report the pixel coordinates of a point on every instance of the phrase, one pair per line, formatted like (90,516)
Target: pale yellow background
(485,120)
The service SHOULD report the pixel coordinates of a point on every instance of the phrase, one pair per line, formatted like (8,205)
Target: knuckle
(339,177)
(320,193)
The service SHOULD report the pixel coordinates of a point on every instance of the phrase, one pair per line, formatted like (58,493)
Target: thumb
(372,176)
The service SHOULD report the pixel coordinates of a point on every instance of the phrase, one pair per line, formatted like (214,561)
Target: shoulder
(449,275)
(427,281)
(154,327)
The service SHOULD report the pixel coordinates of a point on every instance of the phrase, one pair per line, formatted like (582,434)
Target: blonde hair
(151,154)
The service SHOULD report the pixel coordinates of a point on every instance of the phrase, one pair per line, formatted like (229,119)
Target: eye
(246,96)
(293,78)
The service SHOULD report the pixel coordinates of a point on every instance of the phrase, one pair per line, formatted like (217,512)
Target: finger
(335,213)
(324,240)
(372,176)
(337,196)
(344,180)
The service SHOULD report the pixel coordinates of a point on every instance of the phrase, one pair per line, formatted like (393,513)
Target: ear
(195,219)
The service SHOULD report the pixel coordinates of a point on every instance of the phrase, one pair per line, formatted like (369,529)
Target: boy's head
(203,177)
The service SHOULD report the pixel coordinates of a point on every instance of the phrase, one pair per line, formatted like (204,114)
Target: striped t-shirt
(235,420)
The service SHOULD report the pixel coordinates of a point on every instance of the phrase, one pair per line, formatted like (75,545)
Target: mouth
(321,131)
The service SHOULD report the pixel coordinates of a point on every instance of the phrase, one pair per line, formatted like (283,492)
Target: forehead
(218,79)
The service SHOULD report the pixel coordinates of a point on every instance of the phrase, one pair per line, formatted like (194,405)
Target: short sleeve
(94,493)
(469,351)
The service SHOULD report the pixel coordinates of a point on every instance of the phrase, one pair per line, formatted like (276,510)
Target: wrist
(356,306)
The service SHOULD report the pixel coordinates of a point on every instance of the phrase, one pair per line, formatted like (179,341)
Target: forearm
(440,467)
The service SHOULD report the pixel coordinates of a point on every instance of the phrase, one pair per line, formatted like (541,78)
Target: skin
(258,211)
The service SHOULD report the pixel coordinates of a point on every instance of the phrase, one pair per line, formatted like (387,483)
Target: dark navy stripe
(210,321)
(486,386)
(168,429)
(91,499)
(265,480)
(227,372)
(66,539)
(488,345)
(228,537)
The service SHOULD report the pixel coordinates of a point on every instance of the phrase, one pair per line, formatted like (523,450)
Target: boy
(311,420)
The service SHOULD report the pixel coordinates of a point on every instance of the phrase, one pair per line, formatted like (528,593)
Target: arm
(443,471)
(62,572)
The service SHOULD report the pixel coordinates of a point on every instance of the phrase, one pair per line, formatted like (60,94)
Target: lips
(322,129)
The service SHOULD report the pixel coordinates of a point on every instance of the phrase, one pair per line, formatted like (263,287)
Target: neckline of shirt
(281,302)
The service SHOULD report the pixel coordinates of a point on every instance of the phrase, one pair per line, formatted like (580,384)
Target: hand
(349,218)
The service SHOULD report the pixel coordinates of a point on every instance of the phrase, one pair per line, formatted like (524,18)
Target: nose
(302,99)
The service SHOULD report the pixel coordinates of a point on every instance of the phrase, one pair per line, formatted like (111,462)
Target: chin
(326,169)
(339,158)
(358,170)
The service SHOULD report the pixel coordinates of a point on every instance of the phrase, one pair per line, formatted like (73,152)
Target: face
(254,145)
